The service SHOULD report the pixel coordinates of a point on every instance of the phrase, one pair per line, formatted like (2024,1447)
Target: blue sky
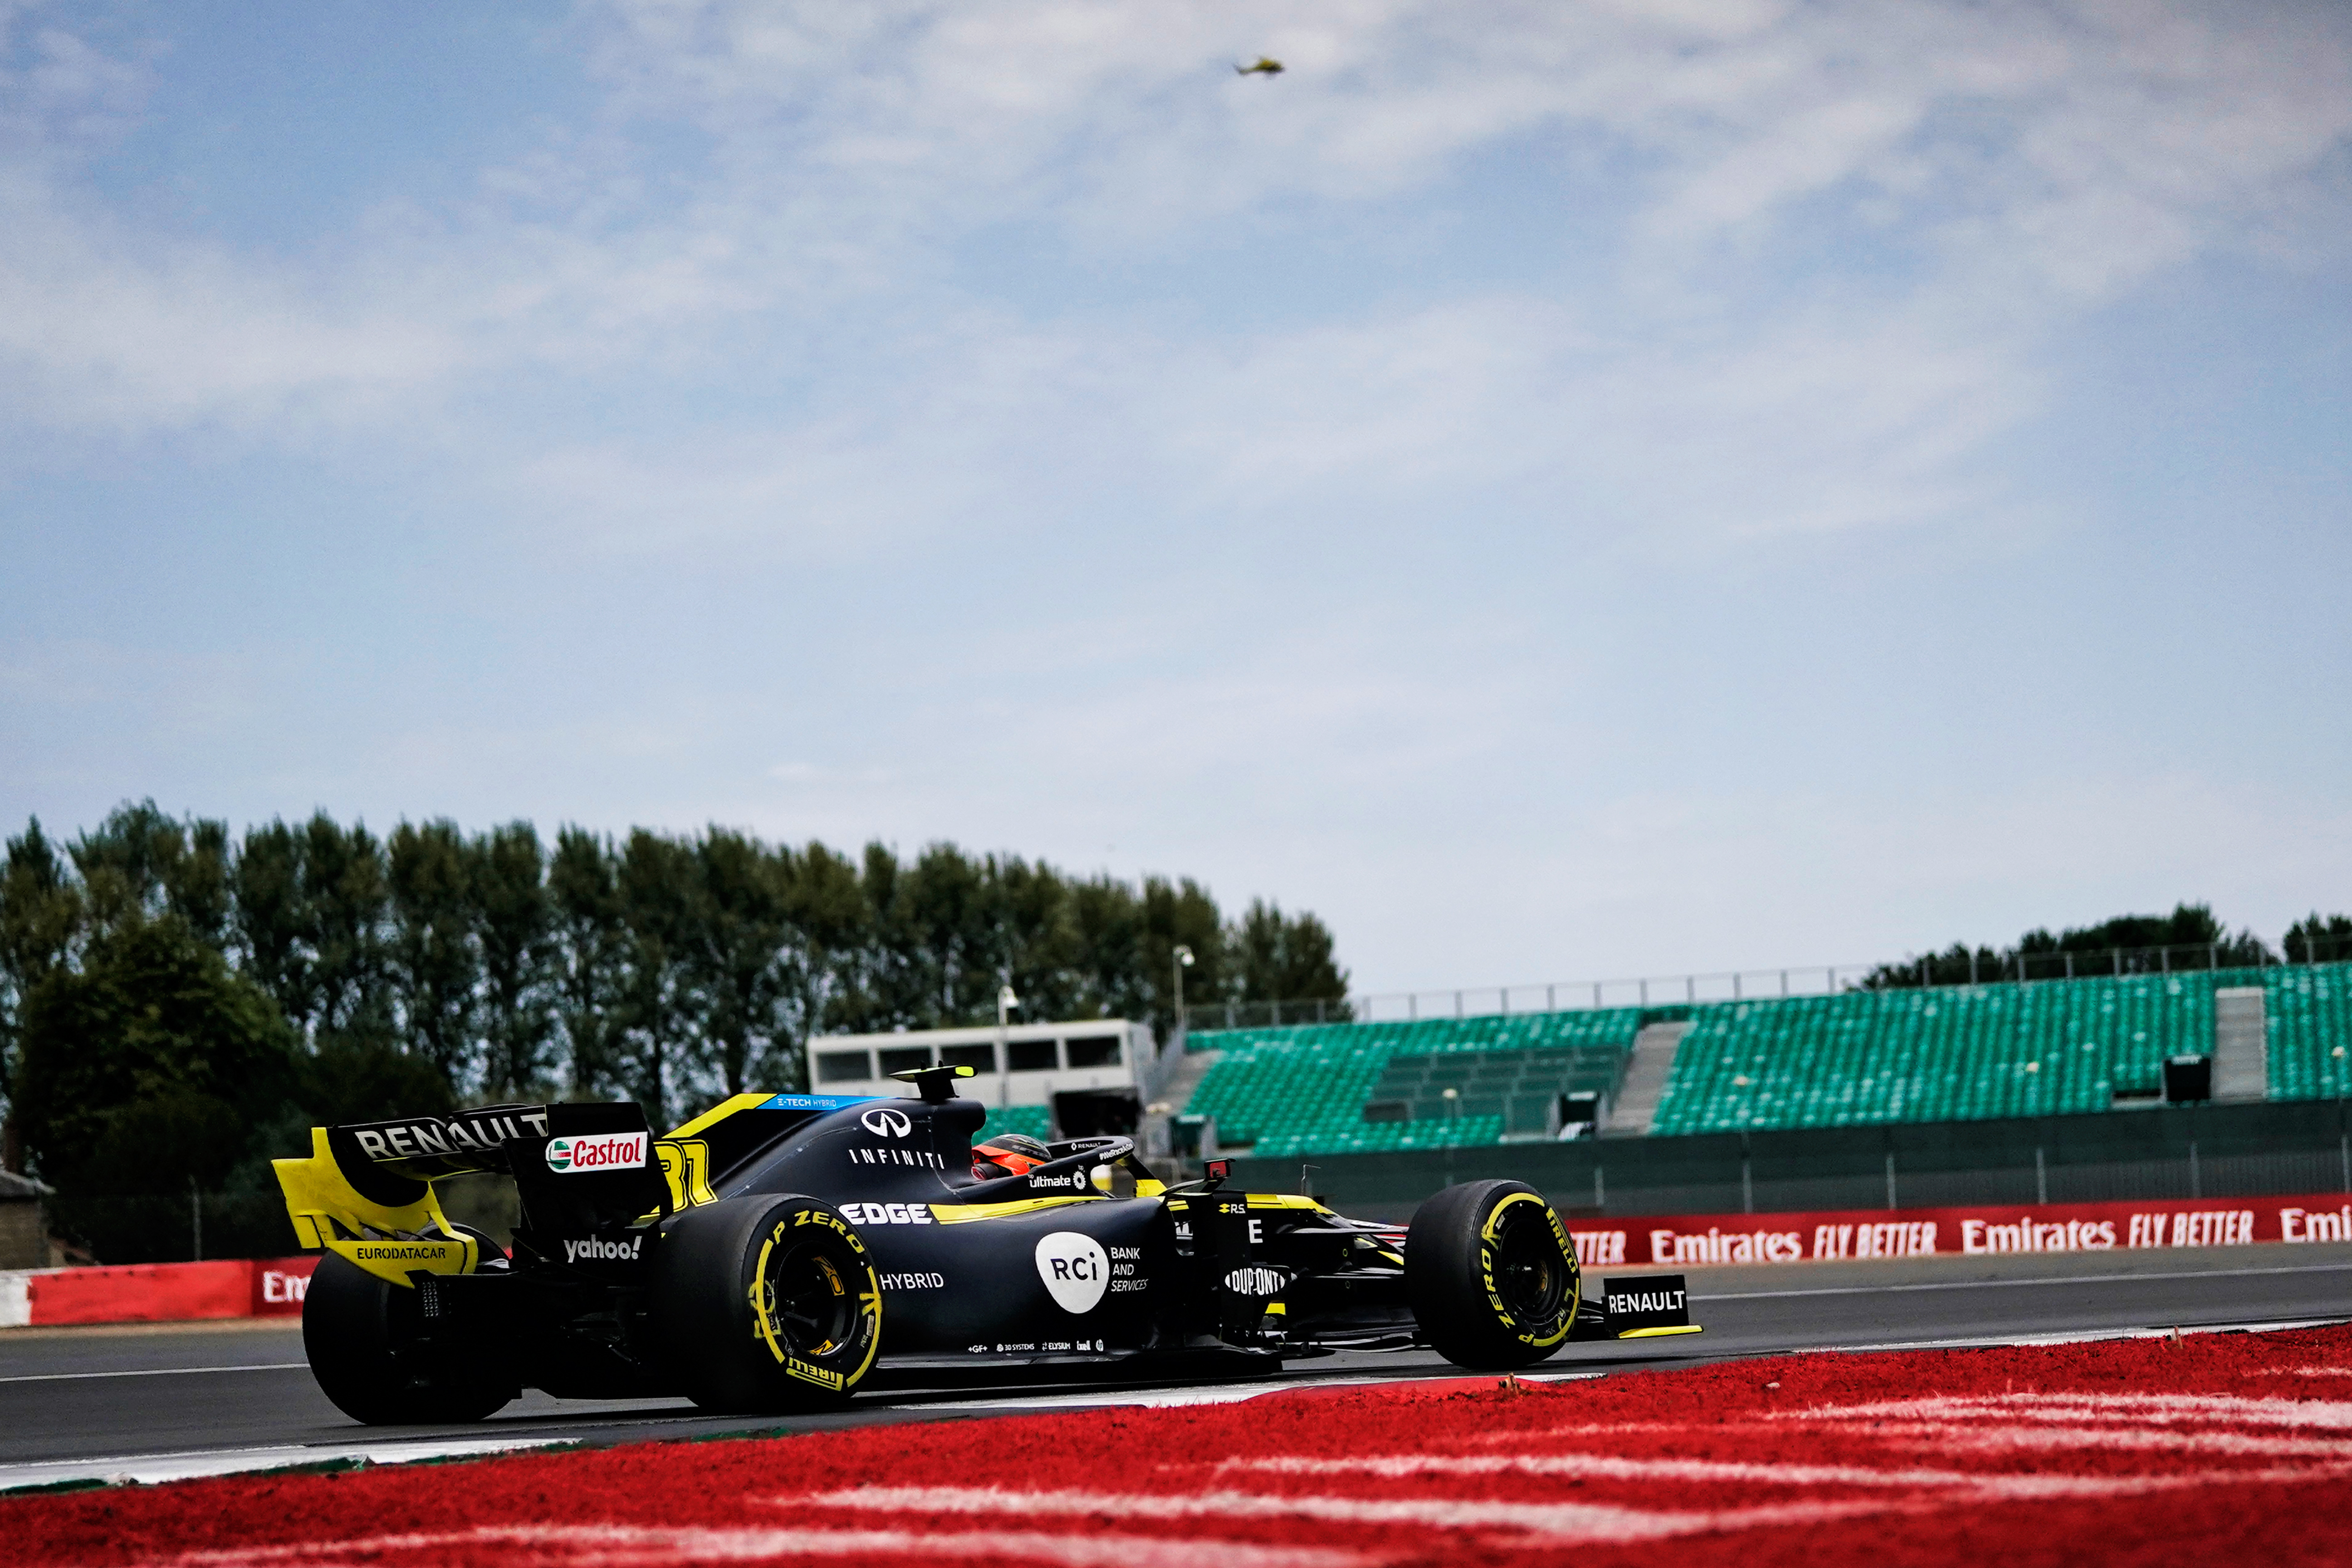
(1563,490)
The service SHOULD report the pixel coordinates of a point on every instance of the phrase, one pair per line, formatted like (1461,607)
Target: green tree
(1279,958)
(1176,914)
(40,917)
(592,940)
(270,922)
(436,964)
(1044,956)
(2132,944)
(744,958)
(147,1066)
(2319,939)
(139,863)
(515,920)
(955,958)
(360,1080)
(346,901)
(670,968)
(660,1012)
(1107,923)
(827,906)
(888,974)
(122,863)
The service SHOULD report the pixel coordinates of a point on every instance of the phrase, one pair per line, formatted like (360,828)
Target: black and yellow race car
(768,1255)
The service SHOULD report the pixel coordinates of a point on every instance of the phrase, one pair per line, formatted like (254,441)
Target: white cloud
(1776,270)
(1709,879)
(2008,162)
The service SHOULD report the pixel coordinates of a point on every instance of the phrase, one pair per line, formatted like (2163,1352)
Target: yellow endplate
(396,1261)
(327,1212)
(1658,1334)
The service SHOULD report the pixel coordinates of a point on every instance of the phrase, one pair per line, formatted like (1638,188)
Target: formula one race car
(763,1256)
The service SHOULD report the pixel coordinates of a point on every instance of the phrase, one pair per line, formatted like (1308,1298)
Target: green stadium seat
(1858,1058)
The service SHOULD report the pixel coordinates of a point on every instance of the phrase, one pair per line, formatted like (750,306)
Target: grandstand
(2309,1011)
(1854,1058)
(1364,1088)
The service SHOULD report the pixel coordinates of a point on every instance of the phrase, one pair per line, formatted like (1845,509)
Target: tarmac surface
(151,1402)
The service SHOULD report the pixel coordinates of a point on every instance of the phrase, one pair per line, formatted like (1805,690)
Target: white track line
(1223,1393)
(192,1463)
(158,1372)
(1607,1467)
(2084,1337)
(608,1546)
(1560,1520)
(188,1464)
(1149,1398)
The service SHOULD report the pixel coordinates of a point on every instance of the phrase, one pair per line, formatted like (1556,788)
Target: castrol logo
(605,1152)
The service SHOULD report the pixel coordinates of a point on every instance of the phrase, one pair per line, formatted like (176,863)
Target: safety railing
(1955,967)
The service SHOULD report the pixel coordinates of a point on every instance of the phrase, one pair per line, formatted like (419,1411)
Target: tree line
(174,996)
(2187,938)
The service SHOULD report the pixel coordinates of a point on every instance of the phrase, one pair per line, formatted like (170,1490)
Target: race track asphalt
(86,1403)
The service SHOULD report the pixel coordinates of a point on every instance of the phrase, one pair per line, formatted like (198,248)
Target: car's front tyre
(765,1303)
(1491,1275)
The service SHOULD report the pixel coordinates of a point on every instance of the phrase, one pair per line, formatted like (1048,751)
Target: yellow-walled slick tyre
(1491,1275)
(765,1303)
(360,1334)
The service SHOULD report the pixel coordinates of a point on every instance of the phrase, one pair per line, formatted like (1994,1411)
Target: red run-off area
(2229,1449)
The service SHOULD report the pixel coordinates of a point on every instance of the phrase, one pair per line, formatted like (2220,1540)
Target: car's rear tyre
(362,1336)
(1491,1275)
(765,1303)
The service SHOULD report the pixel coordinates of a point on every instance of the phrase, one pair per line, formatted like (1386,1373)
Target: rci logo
(1075,1269)
(886,1123)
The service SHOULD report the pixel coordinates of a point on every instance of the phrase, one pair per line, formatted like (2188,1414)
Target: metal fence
(1743,985)
(169,1227)
(191,1226)
(2204,1152)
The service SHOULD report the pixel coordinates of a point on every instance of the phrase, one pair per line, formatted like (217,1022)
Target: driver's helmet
(1007,1154)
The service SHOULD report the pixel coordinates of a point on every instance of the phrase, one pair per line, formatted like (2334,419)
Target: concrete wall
(24,1239)
(2175,1153)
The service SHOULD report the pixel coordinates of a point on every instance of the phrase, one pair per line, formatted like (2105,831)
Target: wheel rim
(1530,1274)
(807,1300)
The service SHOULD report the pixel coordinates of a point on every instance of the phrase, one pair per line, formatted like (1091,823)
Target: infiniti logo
(886,1123)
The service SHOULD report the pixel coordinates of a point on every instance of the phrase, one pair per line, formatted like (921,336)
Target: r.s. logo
(1075,1269)
(886,1123)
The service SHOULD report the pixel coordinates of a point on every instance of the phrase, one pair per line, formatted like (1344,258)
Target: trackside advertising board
(156,1292)
(275,1287)
(1668,1240)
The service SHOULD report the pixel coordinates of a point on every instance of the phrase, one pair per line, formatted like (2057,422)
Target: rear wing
(366,1191)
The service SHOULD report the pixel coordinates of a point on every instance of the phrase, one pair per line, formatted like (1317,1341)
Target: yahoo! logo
(886,1123)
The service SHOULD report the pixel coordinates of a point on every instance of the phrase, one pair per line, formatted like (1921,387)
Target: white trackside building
(1086,1073)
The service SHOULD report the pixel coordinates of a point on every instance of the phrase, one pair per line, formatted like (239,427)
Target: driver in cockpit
(1007,1154)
